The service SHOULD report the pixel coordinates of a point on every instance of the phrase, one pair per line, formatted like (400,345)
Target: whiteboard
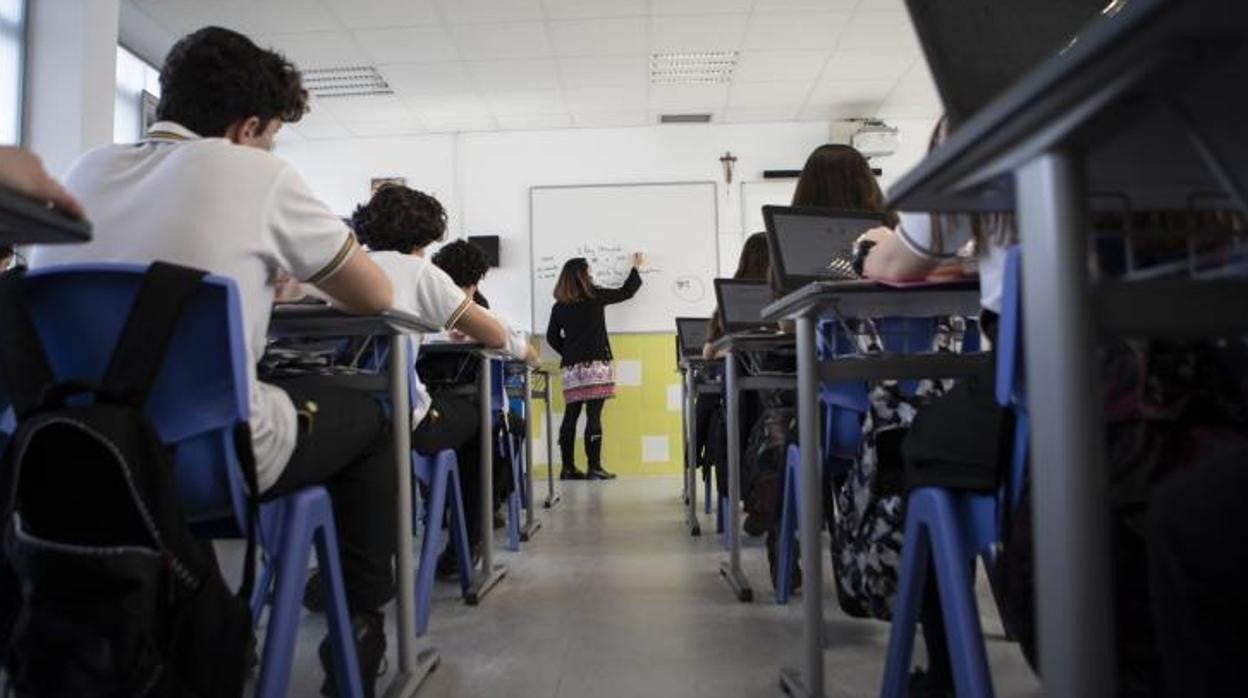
(674,224)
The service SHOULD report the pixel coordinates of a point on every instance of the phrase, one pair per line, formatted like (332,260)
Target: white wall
(484,178)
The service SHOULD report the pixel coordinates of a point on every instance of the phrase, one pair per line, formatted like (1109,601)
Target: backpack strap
(24,367)
(140,351)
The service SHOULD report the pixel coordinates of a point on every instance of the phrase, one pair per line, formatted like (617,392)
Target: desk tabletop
(753,341)
(321,320)
(857,299)
(1100,97)
(24,221)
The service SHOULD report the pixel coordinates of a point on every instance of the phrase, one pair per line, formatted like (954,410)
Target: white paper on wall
(673,397)
(654,449)
(628,372)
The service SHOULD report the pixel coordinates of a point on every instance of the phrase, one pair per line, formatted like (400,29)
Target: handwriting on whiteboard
(609,262)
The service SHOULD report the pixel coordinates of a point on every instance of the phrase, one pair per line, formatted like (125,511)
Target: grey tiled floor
(613,598)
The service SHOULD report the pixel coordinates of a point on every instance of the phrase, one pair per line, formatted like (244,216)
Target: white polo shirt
(231,210)
(915,230)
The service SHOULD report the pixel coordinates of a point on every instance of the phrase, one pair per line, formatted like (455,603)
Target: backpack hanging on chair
(103,590)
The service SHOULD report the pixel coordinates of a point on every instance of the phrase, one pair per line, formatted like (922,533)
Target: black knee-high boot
(567,449)
(593,453)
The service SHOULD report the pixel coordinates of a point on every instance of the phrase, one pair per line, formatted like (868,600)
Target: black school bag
(103,590)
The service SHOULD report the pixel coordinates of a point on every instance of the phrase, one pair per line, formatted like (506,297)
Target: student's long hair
(753,265)
(574,284)
(838,176)
(986,228)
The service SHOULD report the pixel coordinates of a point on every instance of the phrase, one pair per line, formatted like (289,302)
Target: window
(138,86)
(12,40)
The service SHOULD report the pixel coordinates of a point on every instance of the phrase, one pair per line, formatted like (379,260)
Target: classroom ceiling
(483,65)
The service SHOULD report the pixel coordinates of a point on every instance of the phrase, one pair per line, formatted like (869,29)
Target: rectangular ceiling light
(692,67)
(351,81)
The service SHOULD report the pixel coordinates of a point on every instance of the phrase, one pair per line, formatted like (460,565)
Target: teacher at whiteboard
(578,331)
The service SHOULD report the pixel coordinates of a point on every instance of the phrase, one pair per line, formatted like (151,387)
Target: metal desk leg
(552,498)
(809,683)
(531,524)
(684,426)
(1069,500)
(731,569)
(691,480)
(489,574)
(413,667)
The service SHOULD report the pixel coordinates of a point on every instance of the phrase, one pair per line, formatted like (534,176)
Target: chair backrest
(200,395)
(1010,382)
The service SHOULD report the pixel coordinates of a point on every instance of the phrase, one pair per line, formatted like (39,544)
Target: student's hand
(288,289)
(876,235)
(533,358)
(23,172)
(457,336)
(639,260)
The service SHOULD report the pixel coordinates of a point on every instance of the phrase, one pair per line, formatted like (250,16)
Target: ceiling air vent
(351,81)
(684,118)
(692,67)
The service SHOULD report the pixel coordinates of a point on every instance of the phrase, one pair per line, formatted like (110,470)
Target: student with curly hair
(397,225)
(203,190)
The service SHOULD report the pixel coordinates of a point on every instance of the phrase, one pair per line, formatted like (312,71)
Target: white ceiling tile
(832,112)
(366,109)
(869,64)
(460,124)
(879,28)
(769,94)
(599,37)
(316,49)
(765,66)
(407,45)
(363,14)
(810,30)
(611,119)
(513,40)
(882,5)
(606,99)
(701,33)
(757,115)
(894,110)
(449,106)
(532,103)
(515,75)
(698,98)
(851,92)
(286,16)
(472,11)
(804,5)
(539,121)
(387,128)
(319,122)
(693,7)
(577,9)
(596,71)
(416,78)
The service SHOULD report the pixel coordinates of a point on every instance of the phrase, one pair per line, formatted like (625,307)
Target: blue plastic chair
(199,398)
(441,475)
(946,529)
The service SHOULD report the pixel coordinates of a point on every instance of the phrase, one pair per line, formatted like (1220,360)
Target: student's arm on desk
(359,286)
(892,260)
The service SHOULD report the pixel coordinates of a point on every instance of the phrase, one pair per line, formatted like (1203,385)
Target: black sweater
(578,331)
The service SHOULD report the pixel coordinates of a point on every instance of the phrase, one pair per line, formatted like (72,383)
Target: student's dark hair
(214,78)
(574,284)
(463,261)
(399,219)
(754,264)
(838,176)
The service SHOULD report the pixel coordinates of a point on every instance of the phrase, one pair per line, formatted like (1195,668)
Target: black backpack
(103,590)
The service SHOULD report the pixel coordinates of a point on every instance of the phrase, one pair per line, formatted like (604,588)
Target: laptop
(24,221)
(976,49)
(741,305)
(690,337)
(814,244)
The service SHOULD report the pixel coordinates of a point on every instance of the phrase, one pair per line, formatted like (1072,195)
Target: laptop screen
(691,334)
(742,303)
(978,48)
(808,242)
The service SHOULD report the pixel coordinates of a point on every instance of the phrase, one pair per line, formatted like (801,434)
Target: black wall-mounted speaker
(489,245)
(781,174)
